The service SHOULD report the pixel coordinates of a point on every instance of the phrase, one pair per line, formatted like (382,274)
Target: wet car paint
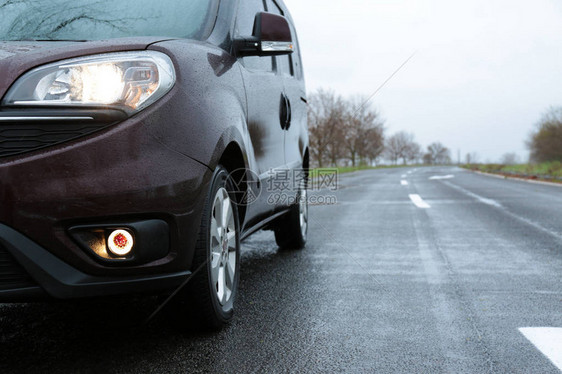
(154,165)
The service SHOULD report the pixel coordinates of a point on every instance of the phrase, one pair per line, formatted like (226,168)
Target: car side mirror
(272,37)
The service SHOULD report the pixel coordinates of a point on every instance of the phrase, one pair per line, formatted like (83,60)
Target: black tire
(289,233)
(198,305)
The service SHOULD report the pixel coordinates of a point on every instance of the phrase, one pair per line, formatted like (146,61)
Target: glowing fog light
(120,243)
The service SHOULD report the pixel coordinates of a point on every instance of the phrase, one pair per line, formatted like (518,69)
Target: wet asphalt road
(384,286)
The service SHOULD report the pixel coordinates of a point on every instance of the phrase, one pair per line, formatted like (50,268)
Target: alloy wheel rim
(223,247)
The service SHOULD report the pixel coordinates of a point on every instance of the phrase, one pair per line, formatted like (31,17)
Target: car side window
(284,63)
(296,56)
(245,18)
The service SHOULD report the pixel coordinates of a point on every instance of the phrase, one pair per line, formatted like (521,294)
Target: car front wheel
(208,298)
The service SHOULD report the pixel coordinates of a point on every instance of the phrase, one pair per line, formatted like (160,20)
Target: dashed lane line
(473,195)
(495,204)
(418,201)
(439,177)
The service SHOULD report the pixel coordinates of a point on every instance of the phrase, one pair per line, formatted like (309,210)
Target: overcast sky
(483,73)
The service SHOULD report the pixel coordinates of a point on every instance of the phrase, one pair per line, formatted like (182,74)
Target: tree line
(348,131)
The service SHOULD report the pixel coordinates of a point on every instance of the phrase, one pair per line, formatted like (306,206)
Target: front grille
(27,130)
(17,138)
(12,275)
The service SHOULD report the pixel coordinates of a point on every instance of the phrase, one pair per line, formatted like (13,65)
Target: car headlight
(129,81)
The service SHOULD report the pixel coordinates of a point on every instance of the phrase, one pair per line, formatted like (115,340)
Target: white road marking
(418,201)
(403,176)
(404,182)
(548,340)
(439,177)
(498,205)
(473,195)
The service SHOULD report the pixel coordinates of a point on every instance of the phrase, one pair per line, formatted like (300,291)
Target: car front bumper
(125,172)
(30,272)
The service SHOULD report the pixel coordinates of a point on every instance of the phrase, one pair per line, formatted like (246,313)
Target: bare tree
(545,142)
(413,153)
(373,144)
(336,145)
(363,131)
(437,154)
(472,158)
(343,129)
(325,121)
(352,138)
(395,147)
(402,146)
(510,159)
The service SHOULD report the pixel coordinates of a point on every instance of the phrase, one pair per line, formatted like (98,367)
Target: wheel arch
(233,159)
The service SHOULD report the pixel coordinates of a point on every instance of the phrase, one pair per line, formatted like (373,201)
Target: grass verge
(351,169)
(548,171)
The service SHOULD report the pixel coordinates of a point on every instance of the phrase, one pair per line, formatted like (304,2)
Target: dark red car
(141,141)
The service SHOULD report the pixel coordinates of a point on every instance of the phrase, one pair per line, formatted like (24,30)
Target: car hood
(18,57)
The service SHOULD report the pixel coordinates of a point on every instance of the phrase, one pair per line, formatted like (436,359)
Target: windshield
(104,19)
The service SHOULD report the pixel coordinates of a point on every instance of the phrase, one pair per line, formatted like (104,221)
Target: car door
(264,92)
(295,92)
(289,68)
